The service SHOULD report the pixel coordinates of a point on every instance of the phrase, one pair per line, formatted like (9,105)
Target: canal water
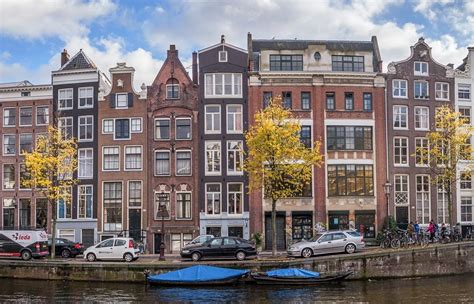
(452,289)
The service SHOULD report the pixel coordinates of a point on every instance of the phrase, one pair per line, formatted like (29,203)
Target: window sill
(400,97)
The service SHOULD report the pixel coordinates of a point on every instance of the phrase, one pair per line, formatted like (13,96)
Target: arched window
(172,89)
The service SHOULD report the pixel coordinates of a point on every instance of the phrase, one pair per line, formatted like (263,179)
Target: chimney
(64,57)
(250,51)
(222,39)
(194,68)
(172,51)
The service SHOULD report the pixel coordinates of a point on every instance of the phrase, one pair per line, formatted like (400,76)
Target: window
(235,198)
(286,100)
(421,68)
(172,89)
(213,119)
(26,116)
(422,118)
(305,136)
(183,205)
(349,138)
(67,234)
(133,158)
(122,129)
(178,240)
(65,204)
(26,143)
(183,162)
(347,63)
(85,160)
(399,89)
(9,144)
(367,102)
(41,213)
(465,114)
(401,189)
(330,102)
(421,152)
(442,91)
(400,151)
(466,209)
(350,180)
(423,199)
(164,198)
(286,62)
(213,157)
(421,90)
(65,126)
(464,91)
(86,97)
(213,198)
(111,159)
(9,117)
(107,126)
(24,177)
(162,128)
(223,85)
(466,181)
(136,125)
(183,128)
(121,101)
(8,213)
(267,98)
(42,115)
(349,101)
(400,117)
(9,177)
(162,163)
(235,157)
(65,99)
(112,206)
(134,193)
(234,119)
(222,56)
(305,100)
(25,94)
(25,213)
(86,128)
(465,150)
(84,209)
(442,203)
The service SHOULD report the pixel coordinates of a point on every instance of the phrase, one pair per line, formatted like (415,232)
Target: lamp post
(387,187)
(164,213)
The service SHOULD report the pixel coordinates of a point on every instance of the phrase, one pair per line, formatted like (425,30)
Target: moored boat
(198,275)
(294,276)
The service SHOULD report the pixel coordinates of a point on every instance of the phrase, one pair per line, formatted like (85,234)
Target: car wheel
(350,248)
(128,257)
(66,253)
(240,255)
(26,255)
(306,253)
(196,256)
(90,257)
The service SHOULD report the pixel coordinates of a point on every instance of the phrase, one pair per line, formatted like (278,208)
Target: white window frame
(117,100)
(214,130)
(79,125)
(461,115)
(190,128)
(427,120)
(234,170)
(14,177)
(222,56)
(69,189)
(60,91)
(128,194)
(405,193)
(69,234)
(190,162)
(19,142)
(79,200)
(423,141)
(82,90)
(129,129)
(213,197)
(462,203)
(91,159)
(156,204)
(172,86)
(229,193)
(111,120)
(103,158)
(422,97)
(155,173)
(19,116)
(104,223)
(154,129)
(36,115)
(125,158)
(213,142)
(466,88)
(399,88)
(420,73)
(4,147)
(235,114)
(441,204)
(423,199)
(131,124)
(442,91)
(16,115)
(407,156)
(236,81)
(190,206)
(69,124)
(398,113)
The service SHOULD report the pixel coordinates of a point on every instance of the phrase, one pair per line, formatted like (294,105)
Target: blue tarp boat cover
(198,273)
(293,272)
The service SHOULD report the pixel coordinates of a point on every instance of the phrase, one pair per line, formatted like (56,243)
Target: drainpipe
(387,149)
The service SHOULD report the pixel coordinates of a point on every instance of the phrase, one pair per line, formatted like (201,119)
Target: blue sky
(34,32)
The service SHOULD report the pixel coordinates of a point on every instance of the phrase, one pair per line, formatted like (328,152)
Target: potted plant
(257,238)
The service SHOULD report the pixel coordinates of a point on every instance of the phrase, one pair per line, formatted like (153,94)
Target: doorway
(157,243)
(134,224)
(401,215)
(280,229)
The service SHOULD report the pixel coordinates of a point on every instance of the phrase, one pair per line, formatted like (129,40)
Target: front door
(280,228)
(134,224)
(87,237)
(338,221)
(157,242)
(365,222)
(402,217)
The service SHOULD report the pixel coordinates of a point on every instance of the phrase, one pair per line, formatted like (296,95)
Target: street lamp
(162,198)
(387,187)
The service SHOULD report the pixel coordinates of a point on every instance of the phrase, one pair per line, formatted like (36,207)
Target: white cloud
(427,7)
(34,19)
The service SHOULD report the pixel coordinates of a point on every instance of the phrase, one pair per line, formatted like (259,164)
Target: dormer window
(172,89)
(121,101)
(222,56)
(421,68)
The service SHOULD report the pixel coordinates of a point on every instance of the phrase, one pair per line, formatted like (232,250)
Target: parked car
(23,243)
(328,242)
(199,240)
(66,248)
(220,247)
(113,249)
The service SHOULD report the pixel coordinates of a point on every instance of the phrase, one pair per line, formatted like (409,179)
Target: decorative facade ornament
(464,74)
(449,72)
(391,68)
(423,53)
(120,83)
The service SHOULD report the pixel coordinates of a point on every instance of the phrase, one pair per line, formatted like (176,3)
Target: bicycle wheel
(395,243)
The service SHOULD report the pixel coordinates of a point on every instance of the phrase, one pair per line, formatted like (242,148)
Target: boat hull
(266,280)
(202,283)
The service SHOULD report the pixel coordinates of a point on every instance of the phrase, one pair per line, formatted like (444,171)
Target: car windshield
(316,237)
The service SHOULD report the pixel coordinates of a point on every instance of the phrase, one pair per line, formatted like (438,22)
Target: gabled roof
(462,67)
(78,62)
(332,45)
(221,45)
(23,83)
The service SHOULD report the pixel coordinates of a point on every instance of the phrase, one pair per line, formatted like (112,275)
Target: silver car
(328,242)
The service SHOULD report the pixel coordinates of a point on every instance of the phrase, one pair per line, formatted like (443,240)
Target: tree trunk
(274,232)
(450,206)
(53,229)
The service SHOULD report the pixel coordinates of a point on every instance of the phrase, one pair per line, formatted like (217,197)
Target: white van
(23,243)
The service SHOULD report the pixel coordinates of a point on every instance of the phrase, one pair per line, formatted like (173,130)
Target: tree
(448,145)
(277,160)
(50,167)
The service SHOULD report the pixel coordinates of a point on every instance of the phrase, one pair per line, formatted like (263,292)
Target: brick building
(173,137)
(416,86)
(123,158)
(335,91)
(26,111)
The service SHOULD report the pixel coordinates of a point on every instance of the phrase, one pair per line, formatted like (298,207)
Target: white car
(113,249)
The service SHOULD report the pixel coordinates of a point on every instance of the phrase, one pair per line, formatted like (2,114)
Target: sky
(34,32)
